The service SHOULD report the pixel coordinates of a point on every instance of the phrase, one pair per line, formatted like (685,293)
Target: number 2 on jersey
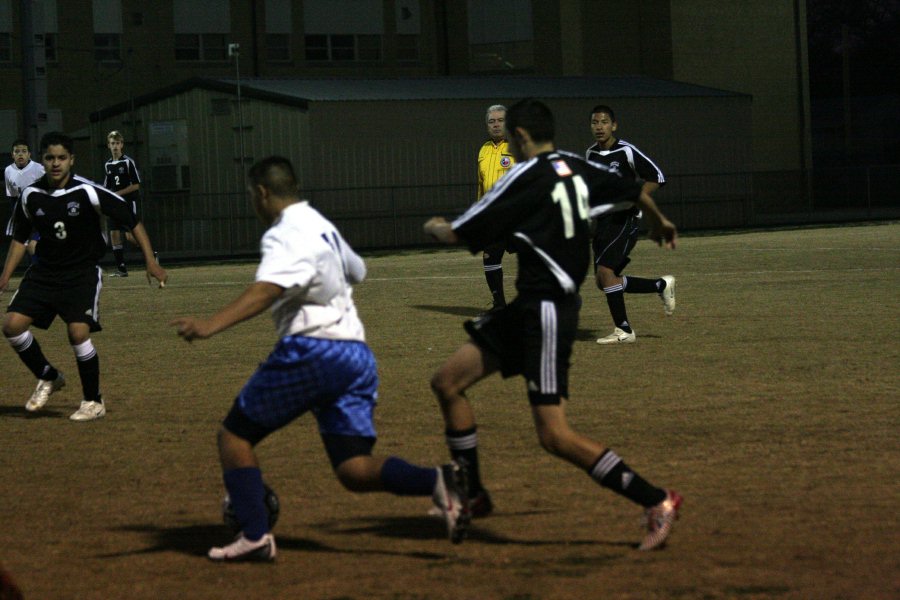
(560,195)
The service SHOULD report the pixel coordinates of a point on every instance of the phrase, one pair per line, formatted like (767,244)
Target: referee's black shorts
(614,238)
(532,337)
(73,296)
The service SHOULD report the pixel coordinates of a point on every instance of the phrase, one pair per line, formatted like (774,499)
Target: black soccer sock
(611,472)
(88,370)
(615,298)
(29,351)
(492,258)
(495,284)
(642,285)
(119,254)
(464,445)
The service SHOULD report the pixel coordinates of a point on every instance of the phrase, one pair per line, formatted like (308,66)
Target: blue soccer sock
(245,487)
(404,479)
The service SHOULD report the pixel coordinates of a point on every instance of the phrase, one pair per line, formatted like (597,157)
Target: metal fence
(198,226)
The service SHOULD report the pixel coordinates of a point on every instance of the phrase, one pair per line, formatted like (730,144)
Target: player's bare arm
(153,268)
(13,258)
(256,298)
(440,229)
(127,190)
(650,187)
(662,230)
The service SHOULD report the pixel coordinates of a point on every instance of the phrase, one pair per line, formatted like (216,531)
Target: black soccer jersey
(628,160)
(69,221)
(120,174)
(541,207)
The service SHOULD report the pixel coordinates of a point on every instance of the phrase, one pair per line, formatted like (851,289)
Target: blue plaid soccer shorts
(335,379)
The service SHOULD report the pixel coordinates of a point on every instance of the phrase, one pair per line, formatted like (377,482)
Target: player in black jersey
(542,206)
(123,178)
(65,280)
(616,234)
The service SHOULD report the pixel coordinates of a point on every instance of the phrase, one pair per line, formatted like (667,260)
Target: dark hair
(534,117)
(276,174)
(19,142)
(57,138)
(602,108)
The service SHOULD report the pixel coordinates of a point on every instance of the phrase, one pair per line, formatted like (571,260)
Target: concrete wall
(753,48)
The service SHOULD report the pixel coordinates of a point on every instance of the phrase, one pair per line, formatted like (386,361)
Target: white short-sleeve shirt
(18,179)
(305,254)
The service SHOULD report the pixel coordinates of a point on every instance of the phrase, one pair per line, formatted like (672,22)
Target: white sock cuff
(463,443)
(614,288)
(607,463)
(84,351)
(21,342)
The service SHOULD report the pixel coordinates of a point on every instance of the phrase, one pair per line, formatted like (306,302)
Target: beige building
(378,100)
(98,53)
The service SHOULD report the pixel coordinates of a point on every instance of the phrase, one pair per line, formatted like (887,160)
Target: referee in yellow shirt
(494,160)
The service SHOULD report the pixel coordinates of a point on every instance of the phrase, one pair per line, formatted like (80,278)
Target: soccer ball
(270,499)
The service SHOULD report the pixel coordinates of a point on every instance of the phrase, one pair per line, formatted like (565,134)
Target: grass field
(770,400)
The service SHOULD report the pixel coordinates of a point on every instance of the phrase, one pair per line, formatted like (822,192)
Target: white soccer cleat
(668,295)
(660,519)
(451,497)
(88,411)
(618,336)
(42,392)
(242,549)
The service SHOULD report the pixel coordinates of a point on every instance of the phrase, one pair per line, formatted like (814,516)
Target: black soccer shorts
(614,239)
(115,225)
(73,296)
(532,337)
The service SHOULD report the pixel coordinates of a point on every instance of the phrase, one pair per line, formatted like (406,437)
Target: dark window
(316,47)
(187,46)
(408,48)
(278,47)
(107,47)
(343,47)
(5,47)
(201,46)
(214,46)
(50,54)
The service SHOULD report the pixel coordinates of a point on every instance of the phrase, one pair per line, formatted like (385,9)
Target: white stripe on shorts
(548,347)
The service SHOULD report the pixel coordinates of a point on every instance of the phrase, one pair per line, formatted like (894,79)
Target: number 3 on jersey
(561,196)
(60,230)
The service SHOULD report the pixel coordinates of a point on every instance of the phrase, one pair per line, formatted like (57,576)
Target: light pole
(234,50)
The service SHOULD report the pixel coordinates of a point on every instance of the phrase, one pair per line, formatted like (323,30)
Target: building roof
(461,88)
(300,92)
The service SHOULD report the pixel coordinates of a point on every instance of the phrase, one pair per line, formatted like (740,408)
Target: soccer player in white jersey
(18,176)
(321,363)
